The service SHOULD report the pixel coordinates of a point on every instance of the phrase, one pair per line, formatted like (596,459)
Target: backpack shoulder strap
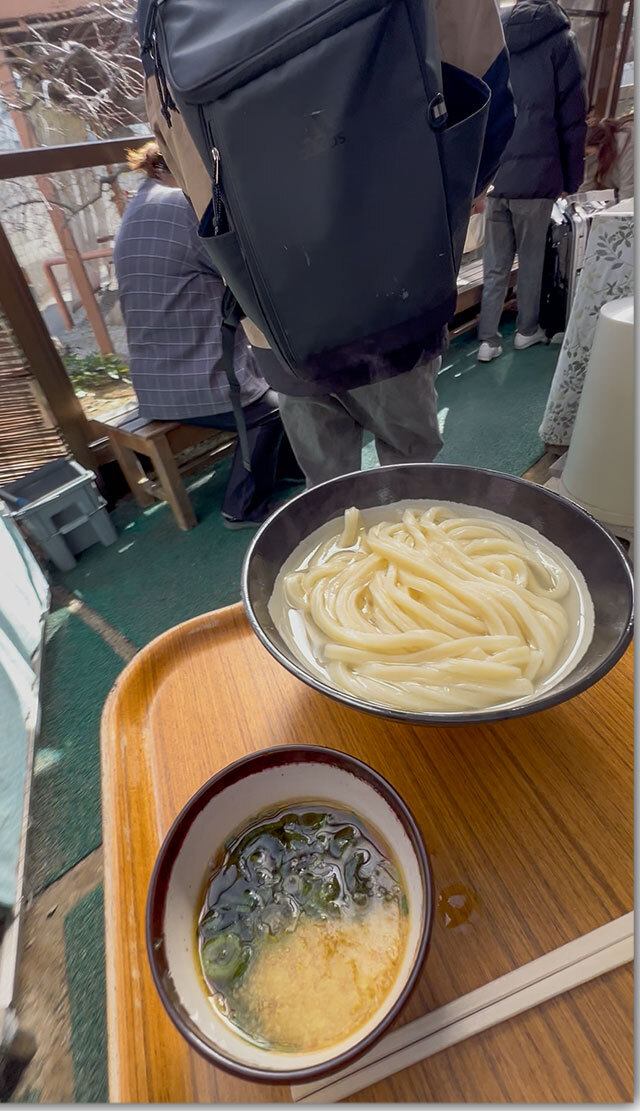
(232,314)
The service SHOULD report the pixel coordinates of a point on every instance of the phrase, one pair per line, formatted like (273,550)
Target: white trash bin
(599,470)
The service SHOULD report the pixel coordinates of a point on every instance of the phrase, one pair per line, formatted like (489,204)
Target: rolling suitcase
(564,255)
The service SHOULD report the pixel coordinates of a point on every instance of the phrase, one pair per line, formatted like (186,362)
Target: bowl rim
(158,886)
(553,697)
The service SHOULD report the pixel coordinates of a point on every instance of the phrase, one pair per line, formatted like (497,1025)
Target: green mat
(156,576)
(79,669)
(84,951)
(489,413)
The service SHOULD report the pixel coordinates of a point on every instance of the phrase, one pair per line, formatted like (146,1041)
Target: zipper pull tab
(218,207)
(437,111)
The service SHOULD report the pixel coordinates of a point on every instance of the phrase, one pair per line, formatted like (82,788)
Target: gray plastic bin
(60,507)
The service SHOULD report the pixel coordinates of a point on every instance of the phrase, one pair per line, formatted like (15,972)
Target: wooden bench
(160,442)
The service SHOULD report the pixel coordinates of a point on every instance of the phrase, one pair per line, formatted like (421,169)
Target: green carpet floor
(489,413)
(84,951)
(156,576)
(79,670)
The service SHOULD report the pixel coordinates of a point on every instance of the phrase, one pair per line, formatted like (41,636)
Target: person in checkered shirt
(171,300)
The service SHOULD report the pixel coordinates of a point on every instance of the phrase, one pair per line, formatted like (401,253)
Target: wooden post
(614,90)
(607,57)
(70,251)
(63,308)
(46,365)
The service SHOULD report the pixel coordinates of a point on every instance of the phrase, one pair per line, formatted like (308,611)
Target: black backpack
(343,158)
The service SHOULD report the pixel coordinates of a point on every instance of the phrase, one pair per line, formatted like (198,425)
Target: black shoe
(244,522)
(231,523)
(294,480)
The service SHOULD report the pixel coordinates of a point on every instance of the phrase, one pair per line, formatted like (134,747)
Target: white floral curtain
(607,275)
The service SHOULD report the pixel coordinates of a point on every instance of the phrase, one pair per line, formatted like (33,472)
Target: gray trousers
(325,432)
(513,225)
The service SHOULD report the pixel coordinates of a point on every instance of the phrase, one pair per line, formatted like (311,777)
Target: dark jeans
(272,460)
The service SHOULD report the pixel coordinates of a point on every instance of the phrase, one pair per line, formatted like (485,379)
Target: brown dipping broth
(293,870)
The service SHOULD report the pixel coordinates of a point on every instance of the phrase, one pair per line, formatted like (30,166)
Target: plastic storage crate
(60,507)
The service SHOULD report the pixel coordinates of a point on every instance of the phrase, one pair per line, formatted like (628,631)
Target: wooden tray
(529,825)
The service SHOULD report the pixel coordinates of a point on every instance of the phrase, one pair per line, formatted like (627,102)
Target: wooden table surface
(532,819)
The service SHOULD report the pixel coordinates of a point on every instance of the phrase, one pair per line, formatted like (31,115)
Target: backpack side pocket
(225,254)
(460,146)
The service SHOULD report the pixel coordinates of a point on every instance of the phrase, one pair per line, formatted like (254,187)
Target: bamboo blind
(28,435)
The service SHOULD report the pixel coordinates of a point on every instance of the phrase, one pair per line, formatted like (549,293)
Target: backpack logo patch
(319,137)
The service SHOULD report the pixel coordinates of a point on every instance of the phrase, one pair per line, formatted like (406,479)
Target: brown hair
(602,134)
(148,159)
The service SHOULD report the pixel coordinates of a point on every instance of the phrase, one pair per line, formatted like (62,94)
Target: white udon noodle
(433,612)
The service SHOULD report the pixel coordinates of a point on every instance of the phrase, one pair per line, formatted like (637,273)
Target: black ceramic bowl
(595,552)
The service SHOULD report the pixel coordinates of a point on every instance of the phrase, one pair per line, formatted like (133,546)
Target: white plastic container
(599,471)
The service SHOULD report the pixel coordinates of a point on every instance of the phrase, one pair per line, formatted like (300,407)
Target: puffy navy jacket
(545,155)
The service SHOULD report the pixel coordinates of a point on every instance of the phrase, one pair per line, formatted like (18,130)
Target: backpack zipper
(261,290)
(216,193)
(167,103)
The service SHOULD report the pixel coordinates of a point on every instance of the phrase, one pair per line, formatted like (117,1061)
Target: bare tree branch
(103,182)
(87,64)
(81,68)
